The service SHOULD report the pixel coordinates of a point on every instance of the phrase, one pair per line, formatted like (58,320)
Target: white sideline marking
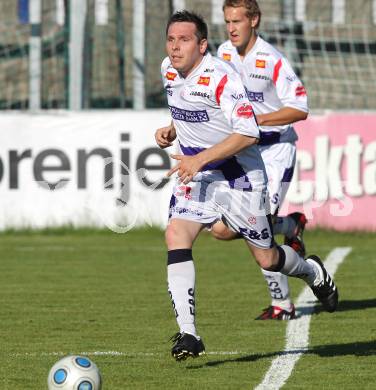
(297,332)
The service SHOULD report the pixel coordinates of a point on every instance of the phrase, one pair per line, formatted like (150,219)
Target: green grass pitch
(71,292)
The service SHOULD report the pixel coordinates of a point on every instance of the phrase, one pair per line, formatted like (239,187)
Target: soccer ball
(74,373)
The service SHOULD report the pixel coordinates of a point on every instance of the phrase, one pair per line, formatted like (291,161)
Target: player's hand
(186,168)
(165,136)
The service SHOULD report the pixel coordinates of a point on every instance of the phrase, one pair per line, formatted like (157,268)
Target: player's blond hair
(251,6)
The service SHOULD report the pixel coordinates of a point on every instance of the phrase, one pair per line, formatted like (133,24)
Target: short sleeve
(233,101)
(290,89)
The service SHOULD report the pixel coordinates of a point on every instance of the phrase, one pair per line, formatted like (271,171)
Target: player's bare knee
(221,232)
(171,235)
(265,263)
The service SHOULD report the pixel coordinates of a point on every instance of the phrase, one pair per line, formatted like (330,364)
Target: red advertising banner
(334,182)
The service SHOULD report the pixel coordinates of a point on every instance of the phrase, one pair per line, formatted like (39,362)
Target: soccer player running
(278,99)
(220,173)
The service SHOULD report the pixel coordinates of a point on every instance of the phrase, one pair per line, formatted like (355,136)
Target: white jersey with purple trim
(207,106)
(271,84)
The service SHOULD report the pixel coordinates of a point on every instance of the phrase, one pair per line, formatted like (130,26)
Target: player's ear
(203,46)
(255,20)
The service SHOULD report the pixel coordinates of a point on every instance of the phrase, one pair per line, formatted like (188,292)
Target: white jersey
(207,106)
(271,84)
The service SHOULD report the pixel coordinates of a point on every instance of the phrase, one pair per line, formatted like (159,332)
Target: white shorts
(279,160)
(245,212)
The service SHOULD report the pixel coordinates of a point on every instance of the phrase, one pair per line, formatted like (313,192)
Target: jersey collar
(254,48)
(199,68)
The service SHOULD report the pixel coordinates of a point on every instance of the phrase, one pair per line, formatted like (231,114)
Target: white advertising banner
(103,168)
(83,169)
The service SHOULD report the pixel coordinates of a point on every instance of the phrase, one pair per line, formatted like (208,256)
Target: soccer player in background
(279,99)
(220,174)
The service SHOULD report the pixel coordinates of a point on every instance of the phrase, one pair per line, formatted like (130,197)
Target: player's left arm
(188,166)
(232,100)
(237,109)
(292,94)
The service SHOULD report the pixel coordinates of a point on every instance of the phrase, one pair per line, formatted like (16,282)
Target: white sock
(181,287)
(279,289)
(284,225)
(296,266)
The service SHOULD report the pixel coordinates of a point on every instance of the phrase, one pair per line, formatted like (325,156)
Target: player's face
(183,48)
(240,28)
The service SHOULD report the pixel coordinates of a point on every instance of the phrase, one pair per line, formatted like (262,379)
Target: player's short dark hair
(188,16)
(251,6)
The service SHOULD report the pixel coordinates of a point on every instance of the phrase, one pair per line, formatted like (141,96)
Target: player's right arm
(284,116)
(165,136)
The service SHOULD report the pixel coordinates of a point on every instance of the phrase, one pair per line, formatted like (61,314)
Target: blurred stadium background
(80,82)
(331,44)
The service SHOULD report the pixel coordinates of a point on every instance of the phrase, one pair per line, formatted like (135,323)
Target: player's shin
(291,264)
(181,287)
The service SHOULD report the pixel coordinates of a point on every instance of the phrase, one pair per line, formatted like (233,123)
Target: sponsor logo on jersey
(255,96)
(169,90)
(237,96)
(259,76)
(260,63)
(244,110)
(262,53)
(204,80)
(201,94)
(189,116)
(171,76)
(209,70)
(291,78)
(226,56)
(300,91)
